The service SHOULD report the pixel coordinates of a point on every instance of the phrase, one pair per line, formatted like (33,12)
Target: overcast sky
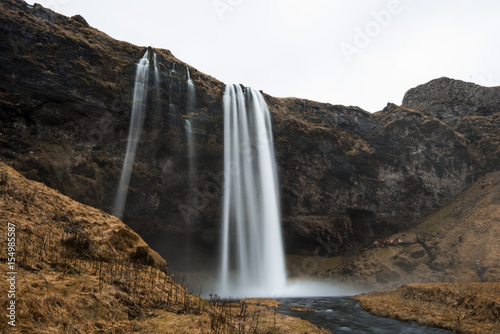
(349,52)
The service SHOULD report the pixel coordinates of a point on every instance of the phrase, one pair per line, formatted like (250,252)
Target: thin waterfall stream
(135,129)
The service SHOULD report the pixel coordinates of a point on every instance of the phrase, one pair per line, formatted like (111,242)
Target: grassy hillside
(462,307)
(80,270)
(458,243)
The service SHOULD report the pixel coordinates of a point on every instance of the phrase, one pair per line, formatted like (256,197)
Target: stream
(343,315)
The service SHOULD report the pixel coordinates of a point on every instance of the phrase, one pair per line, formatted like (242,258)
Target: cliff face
(346,175)
(350,175)
(469,109)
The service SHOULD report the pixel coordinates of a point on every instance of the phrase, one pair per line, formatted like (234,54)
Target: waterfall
(173,93)
(191,108)
(172,71)
(135,129)
(191,153)
(157,72)
(191,97)
(156,92)
(191,219)
(252,255)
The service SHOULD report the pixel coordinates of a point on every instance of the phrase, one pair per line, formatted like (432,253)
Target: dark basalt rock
(347,176)
(449,99)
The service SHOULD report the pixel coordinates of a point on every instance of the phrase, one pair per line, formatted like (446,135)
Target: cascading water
(173,87)
(191,98)
(157,72)
(191,108)
(190,219)
(156,116)
(191,154)
(135,129)
(252,255)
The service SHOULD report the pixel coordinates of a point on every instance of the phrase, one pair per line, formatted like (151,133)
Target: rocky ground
(461,307)
(80,270)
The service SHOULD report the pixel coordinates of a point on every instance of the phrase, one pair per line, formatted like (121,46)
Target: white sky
(295,47)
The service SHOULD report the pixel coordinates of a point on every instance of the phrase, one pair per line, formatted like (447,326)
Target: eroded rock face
(469,109)
(376,173)
(346,175)
(449,99)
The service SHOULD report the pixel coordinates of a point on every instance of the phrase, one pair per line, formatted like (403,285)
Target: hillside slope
(458,243)
(77,269)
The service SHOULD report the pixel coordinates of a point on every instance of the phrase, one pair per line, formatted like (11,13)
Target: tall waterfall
(252,255)
(191,108)
(157,72)
(135,129)
(192,219)
(191,94)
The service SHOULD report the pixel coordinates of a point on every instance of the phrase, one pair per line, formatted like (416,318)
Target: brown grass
(461,307)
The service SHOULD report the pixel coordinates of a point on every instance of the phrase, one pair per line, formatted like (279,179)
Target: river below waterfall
(343,315)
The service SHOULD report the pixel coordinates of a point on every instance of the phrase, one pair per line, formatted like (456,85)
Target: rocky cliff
(347,176)
(468,109)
